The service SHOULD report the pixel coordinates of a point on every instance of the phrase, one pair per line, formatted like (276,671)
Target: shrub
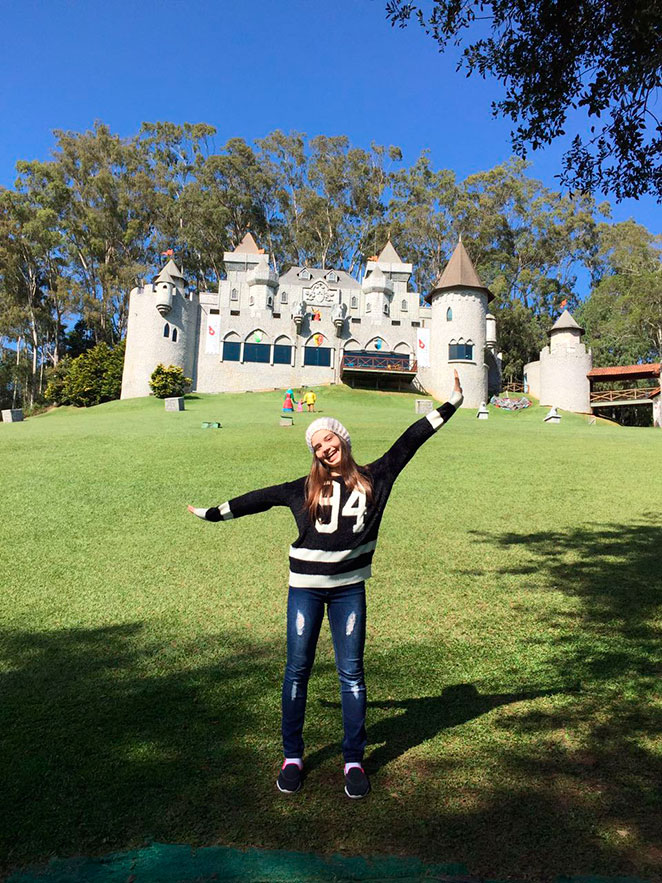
(169,381)
(92,378)
(55,391)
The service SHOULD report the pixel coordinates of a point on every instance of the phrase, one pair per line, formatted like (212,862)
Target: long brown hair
(318,483)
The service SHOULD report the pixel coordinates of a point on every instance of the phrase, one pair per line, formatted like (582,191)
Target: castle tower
(378,291)
(262,284)
(458,324)
(234,290)
(161,328)
(564,365)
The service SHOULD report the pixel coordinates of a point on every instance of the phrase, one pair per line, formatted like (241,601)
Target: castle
(309,327)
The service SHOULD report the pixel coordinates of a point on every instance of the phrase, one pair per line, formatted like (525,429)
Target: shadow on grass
(608,638)
(111,739)
(114,740)
(614,573)
(423,718)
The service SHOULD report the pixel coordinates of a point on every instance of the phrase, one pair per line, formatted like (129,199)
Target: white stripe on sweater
(330,581)
(436,420)
(224,509)
(321,555)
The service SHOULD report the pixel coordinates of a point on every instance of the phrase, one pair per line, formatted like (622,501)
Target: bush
(169,381)
(92,378)
(55,391)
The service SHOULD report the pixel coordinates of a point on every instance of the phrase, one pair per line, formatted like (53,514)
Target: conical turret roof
(565,322)
(172,268)
(170,273)
(389,255)
(459,273)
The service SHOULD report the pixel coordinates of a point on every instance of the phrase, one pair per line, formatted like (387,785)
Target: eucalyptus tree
(172,154)
(108,223)
(420,218)
(623,315)
(233,192)
(35,297)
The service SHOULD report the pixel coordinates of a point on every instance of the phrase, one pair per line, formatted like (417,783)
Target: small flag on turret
(167,254)
(564,304)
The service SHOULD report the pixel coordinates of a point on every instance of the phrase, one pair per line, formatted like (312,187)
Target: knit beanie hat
(327,423)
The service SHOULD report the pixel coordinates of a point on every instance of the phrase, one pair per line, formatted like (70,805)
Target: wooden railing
(635,394)
(513,386)
(379,363)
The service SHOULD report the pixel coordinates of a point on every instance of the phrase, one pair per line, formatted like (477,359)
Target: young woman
(338,508)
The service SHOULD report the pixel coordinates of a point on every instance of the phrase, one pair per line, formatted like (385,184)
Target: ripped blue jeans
(305,612)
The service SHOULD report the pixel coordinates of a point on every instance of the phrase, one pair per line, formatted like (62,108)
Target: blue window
(317,355)
(461,351)
(166,330)
(231,350)
(449,315)
(257,352)
(282,354)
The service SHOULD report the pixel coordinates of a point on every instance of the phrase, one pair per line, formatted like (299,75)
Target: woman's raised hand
(456,396)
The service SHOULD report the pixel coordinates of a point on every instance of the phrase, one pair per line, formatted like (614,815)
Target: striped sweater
(338,550)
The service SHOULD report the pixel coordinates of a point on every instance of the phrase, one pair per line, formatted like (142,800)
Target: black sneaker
(289,778)
(357,784)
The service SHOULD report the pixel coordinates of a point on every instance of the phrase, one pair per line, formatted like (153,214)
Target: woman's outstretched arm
(250,503)
(401,452)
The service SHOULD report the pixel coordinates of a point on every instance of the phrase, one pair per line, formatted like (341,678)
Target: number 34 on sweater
(354,508)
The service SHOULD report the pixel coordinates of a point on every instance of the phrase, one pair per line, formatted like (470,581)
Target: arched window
(251,301)
(404,306)
(283,351)
(368,307)
(283,297)
(270,301)
(449,315)
(355,302)
(255,347)
(231,347)
(166,330)
(234,294)
(174,335)
(386,309)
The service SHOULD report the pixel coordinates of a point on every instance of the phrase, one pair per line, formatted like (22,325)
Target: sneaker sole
(287,790)
(356,796)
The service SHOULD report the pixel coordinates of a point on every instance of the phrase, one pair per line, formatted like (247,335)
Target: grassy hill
(513,656)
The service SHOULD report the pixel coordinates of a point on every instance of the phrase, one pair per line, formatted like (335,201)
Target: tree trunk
(18,364)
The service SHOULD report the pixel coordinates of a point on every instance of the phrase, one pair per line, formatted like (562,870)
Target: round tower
(378,291)
(564,365)
(161,329)
(458,324)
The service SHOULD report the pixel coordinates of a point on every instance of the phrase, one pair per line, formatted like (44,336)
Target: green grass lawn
(513,658)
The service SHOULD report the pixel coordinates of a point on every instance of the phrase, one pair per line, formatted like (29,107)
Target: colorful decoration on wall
(378,344)
(317,316)
(319,339)
(257,337)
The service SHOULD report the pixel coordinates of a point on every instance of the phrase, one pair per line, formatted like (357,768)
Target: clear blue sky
(319,67)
